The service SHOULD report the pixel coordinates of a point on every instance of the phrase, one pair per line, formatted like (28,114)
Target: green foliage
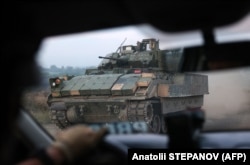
(54,71)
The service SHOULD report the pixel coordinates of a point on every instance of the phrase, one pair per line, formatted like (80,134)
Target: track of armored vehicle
(136,83)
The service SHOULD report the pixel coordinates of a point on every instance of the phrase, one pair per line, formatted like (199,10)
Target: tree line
(54,71)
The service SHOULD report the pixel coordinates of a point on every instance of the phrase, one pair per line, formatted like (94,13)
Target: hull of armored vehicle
(131,97)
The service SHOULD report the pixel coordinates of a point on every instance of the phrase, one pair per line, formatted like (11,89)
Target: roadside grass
(35,102)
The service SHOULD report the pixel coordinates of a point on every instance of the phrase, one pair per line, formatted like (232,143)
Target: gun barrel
(110,58)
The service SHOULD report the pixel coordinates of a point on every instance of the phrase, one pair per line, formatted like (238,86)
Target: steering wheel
(110,151)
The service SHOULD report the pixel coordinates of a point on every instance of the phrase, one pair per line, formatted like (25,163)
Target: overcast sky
(83,49)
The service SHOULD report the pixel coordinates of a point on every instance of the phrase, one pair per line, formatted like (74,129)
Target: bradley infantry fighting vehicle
(136,83)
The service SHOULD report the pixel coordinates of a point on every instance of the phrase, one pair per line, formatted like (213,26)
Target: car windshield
(101,58)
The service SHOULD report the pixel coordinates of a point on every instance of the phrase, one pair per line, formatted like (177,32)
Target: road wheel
(156,124)
(163,126)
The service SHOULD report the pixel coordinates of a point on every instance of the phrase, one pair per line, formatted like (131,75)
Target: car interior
(29,23)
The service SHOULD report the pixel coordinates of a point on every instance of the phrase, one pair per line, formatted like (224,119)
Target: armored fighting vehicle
(135,83)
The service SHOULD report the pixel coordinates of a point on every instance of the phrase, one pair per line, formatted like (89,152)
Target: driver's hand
(78,140)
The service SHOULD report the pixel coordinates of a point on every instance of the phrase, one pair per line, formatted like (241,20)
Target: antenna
(121,44)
